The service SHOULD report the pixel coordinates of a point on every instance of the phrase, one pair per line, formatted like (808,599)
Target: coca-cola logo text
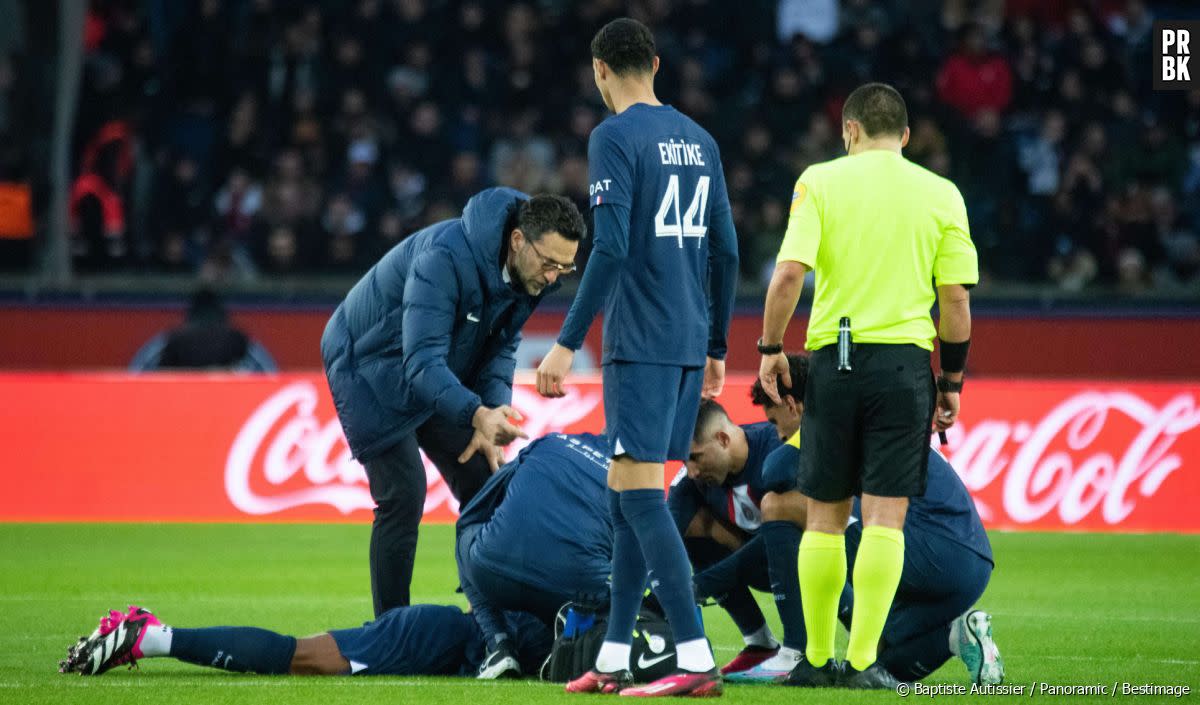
(1072,461)
(283,441)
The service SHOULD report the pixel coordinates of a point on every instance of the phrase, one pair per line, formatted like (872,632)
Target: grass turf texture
(1068,609)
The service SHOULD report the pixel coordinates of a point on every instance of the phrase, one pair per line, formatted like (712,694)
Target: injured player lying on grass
(742,519)
(425,640)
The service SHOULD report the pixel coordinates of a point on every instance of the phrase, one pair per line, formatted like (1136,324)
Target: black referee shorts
(867,431)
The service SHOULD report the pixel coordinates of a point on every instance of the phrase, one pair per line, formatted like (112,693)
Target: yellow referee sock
(876,574)
(822,568)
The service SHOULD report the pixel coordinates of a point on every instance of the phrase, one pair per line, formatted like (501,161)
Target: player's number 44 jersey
(668,222)
(666,170)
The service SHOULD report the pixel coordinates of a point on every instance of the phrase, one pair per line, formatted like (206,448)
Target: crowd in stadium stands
(244,139)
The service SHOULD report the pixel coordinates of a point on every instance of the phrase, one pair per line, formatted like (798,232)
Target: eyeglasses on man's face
(549,265)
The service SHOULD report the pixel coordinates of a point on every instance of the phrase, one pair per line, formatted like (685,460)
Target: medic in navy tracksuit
(538,534)
(420,357)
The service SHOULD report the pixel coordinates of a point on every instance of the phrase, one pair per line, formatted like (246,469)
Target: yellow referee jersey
(880,232)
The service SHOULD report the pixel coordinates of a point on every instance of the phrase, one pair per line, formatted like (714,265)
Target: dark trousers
(397,480)
(941,580)
(491,593)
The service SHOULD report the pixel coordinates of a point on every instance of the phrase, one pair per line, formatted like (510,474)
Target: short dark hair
(626,45)
(879,107)
(798,367)
(546,213)
(710,413)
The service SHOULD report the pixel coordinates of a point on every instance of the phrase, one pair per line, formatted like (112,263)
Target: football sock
(782,542)
(239,649)
(156,641)
(743,609)
(725,580)
(694,655)
(670,573)
(821,567)
(628,585)
(877,571)
(736,569)
(762,638)
(613,657)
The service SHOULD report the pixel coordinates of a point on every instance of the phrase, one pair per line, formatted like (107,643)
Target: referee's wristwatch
(769,349)
(945,386)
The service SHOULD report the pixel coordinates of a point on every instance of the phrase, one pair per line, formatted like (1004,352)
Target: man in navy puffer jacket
(421,355)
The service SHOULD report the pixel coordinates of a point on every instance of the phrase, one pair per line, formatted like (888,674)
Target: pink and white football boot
(117,641)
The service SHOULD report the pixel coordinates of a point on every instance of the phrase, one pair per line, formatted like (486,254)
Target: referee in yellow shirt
(880,233)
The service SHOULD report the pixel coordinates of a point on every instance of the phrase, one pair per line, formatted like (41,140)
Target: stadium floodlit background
(269,151)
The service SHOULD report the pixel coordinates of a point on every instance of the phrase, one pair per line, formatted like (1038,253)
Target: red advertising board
(1094,456)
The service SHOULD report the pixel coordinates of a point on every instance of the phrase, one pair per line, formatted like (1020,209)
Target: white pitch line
(1174,619)
(1138,659)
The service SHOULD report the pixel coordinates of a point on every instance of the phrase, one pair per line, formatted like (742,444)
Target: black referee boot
(874,677)
(805,675)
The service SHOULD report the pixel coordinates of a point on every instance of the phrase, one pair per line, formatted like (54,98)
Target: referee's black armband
(954,356)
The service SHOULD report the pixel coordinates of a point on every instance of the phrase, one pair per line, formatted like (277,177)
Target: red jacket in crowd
(971,84)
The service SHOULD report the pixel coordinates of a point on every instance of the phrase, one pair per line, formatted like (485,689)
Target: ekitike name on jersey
(680,153)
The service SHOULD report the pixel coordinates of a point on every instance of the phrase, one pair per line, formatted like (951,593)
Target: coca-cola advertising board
(1086,456)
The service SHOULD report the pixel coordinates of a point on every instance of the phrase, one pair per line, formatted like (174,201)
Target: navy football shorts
(415,640)
(650,410)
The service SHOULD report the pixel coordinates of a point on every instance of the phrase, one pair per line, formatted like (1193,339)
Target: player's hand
(714,379)
(771,367)
(946,412)
(490,451)
(494,424)
(553,370)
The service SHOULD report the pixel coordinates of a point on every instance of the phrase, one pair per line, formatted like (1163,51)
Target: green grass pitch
(1068,609)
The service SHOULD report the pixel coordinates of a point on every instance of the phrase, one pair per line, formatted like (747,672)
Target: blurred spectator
(292,197)
(238,204)
(815,19)
(1179,241)
(205,340)
(284,252)
(1040,156)
(927,143)
(97,205)
(342,226)
(974,79)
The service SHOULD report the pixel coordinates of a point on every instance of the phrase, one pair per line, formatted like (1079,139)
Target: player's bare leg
(785,506)
(318,655)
